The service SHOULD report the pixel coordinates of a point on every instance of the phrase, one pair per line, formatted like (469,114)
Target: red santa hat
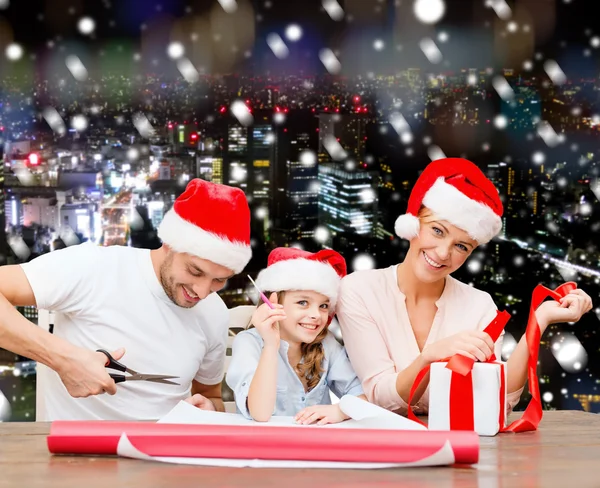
(455,190)
(210,221)
(289,268)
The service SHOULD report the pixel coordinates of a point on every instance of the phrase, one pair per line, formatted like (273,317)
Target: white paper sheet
(363,415)
(444,457)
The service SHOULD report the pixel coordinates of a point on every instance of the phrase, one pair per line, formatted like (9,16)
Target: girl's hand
(322,414)
(201,402)
(266,321)
(570,309)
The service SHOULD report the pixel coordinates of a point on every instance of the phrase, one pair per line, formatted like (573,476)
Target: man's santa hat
(455,190)
(292,269)
(212,222)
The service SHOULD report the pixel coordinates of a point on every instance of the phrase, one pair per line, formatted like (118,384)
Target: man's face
(188,279)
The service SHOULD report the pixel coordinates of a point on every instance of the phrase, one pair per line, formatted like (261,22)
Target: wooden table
(564,452)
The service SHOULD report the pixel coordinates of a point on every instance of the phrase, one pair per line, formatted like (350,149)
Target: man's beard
(168,283)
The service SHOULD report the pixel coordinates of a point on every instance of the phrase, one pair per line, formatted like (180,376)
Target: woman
(398,320)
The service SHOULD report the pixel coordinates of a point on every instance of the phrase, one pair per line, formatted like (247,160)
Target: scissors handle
(119,378)
(113,363)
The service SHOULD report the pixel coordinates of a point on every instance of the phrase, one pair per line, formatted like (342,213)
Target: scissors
(135,376)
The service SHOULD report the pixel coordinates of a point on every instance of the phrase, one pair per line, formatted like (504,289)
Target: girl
(395,321)
(289,361)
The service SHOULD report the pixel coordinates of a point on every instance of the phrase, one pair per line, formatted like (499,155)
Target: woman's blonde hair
(426,215)
(312,353)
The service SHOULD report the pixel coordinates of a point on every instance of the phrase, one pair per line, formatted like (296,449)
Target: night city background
(324,113)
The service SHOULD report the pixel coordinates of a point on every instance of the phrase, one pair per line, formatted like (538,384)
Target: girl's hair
(312,353)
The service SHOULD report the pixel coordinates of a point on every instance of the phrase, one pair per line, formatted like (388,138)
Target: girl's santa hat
(292,269)
(212,222)
(455,190)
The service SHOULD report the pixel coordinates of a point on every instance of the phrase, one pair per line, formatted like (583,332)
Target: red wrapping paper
(260,442)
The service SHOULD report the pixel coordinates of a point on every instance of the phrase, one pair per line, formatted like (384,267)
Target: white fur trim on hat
(183,236)
(475,218)
(407,226)
(300,274)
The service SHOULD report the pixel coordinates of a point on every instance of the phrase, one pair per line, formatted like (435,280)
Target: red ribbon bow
(461,383)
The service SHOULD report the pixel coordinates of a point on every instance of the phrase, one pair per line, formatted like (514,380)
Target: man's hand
(201,402)
(83,373)
(322,414)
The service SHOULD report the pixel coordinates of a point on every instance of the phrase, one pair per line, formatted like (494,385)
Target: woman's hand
(474,344)
(266,321)
(322,414)
(570,309)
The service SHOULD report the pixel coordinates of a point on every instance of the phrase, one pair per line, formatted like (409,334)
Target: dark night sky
(572,18)
(34,22)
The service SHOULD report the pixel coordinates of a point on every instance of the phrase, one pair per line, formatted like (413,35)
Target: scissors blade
(161,380)
(156,378)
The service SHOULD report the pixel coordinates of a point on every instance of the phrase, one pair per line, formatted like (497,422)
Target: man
(157,310)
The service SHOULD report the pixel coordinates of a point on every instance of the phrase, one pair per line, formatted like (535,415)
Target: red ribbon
(461,383)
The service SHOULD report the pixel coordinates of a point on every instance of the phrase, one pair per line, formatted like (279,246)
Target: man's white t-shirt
(110,297)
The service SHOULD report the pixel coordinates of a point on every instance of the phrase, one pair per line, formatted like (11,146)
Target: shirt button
(303,398)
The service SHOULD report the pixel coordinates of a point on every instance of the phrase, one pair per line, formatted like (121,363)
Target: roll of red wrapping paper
(261,442)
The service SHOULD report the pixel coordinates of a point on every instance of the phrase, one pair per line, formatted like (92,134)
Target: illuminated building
(347,199)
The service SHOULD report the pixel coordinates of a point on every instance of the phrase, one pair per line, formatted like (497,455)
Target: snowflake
(378,45)
(242,113)
(321,234)
(175,50)
(333,8)
(538,157)
(14,51)
(261,212)
(503,88)
(76,67)
(363,262)
(474,266)
(293,32)
(500,121)
(429,11)
(86,25)
(229,6)
(54,120)
(330,61)
(308,157)
(435,153)
(430,50)
(278,46)
(188,70)
(79,123)
(367,195)
(554,72)
(279,118)
(133,154)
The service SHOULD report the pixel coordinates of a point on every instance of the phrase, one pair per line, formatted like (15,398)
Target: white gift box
(489,409)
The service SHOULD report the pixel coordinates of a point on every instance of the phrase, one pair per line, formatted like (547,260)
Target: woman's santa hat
(455,190)
(212,222)
(292,269)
